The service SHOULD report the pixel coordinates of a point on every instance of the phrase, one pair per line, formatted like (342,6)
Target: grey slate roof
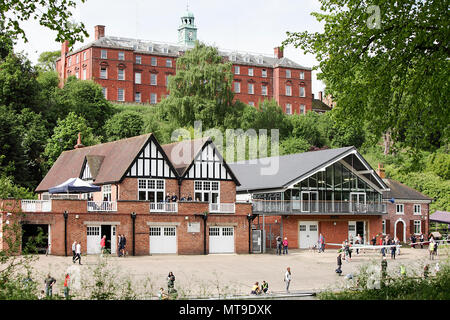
(157,48)
(441,216)
(400,191)
(291,167)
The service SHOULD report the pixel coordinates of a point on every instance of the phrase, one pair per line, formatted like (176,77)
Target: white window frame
(77,75)
(302,92)
(153,101)
(204,187)
(264,90)
(121,74)
(237,70)
(121,55)
(417,227)
(137,78)
(302,75)
(288,108)
(400,205)
(118,94)
(288,74)
(137,97)
(289,91)
(105,92)
(237,87)
(151,185)
(417,212)
(107,192)
(251,103)
(77,58)
(104,54)
(84,74)
(169,63)
(154,61)
(153,79)
(251,88)
(302,109)
(264,73)
(105,76)
(69,62)
(138,60)
(250,72)
(84,55)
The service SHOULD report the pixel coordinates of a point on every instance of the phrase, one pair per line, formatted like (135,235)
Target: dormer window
(260,60)
(233,57)
(165,50)
(150,48)
(247,59)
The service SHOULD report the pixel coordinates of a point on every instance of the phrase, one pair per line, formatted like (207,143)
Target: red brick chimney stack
(64,51)
(278,52)
(79,144)
(99,31)
(380,171)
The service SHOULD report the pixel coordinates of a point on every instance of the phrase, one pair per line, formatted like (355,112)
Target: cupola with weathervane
(187,31)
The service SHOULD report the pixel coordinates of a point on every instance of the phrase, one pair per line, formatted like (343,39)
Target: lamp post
(66,215)
(133,218)
(250,218)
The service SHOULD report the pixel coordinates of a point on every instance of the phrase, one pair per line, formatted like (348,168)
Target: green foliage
(124,125)
(9,190)
(439,164)
(65,137)
(47,60)
(394,75)
(293,145)
(307,127)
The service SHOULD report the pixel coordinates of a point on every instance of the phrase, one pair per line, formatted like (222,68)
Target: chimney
(62,71)
(380,171)
(278,52)
(79,144)
(99,31)
(320,95)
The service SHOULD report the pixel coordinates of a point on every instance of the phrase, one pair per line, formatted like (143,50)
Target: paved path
(234,274)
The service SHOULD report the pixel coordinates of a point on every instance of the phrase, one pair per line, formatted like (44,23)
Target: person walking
(66,286)
(78,253)
(393,250)
(321,243)
(339,264)
(285,246)
(431,248)
(287,278)
(413,241)
(49,282)
(74,246)
(279,245)
(435,252)
(358,242)
(102,245)
(124,244)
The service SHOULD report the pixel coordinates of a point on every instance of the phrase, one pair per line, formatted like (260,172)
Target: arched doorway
(399,230)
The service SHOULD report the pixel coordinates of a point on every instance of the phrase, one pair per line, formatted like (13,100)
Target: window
(137,77)
(138,59)
(77,75)
(169,63)
(207,191)
(251,88)
(250,72)
(251,103)
(237,87)
(288,90)
(153,98)
(237,70)
(233,57)
(150,48)
(399,209)
(105,92)
(70,61)
(121,55)
(151,190)
(154,62)
(104,54)
(288,73)
(77,58)
(153,79)
(137,97)
(84,55)
(288,108)
(103,73)
(264,90)
(302,92)
(106,192)
(121,74)
(302,75)
(417,227)
(120,94)
(84,74)
(264,73)
(165,50)
(302,109)
(417,209)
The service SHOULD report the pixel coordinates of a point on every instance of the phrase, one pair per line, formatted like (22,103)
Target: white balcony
(36,205)
(164,207)
(222,208)
(101,206)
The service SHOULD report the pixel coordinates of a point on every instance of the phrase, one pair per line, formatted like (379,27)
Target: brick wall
(406,218)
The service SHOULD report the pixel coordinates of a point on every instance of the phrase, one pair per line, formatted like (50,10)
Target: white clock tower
(187,31)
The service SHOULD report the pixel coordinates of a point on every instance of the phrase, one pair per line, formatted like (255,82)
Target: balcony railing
(222,208)
(300,207)
(164,207)
(103,206)
(36,205)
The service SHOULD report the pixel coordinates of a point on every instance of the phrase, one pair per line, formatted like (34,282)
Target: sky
(255,26)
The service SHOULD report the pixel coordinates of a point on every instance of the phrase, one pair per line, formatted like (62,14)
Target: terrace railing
(222,208)
(36,205)
(101,206)
(164,207)
(299,207)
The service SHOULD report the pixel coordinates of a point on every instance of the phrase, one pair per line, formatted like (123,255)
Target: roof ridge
(168,144)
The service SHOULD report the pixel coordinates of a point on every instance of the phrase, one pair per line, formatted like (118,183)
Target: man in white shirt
(287,278)
(74,246)
(78,253)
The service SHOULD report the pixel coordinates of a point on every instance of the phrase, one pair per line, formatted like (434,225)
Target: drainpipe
(133,217)
(250,218)
(66,215)
(179,189)
(204,216)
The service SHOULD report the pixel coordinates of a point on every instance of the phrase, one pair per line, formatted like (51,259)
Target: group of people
(282,245)
(50,282)
(76,251)
(256,289)
(394,246)
(414,239)
(174,197)
(171,291)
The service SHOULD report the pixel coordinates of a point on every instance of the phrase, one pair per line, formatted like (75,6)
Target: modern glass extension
(335,189)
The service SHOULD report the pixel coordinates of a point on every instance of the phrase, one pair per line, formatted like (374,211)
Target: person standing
(285,246)
(119,245)
(431,248)
(124,243)
(279,245)
(321,243)
(66,286)
(435,248)
(339,264)
(49,282)
(170,282)
(103,245)
(357,242)
(413,241)
(78,253)
(287,278)
(421,240)
(393,249)
(74,246)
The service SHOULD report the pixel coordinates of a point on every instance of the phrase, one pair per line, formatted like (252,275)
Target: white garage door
(308,234)
(163,240)
(221,240)
(93,240)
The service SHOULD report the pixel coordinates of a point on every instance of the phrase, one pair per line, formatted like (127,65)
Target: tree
(268,116)
(388,64)
(52,14)
(124,125)
(65,137)
(201,88)
(47,60)
(293,145)
(308,128)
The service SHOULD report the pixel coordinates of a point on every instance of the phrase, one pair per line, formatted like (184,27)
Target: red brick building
(408,210)
(132,70)
(136,175)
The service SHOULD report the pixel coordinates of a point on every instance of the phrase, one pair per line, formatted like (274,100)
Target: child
(255,289)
